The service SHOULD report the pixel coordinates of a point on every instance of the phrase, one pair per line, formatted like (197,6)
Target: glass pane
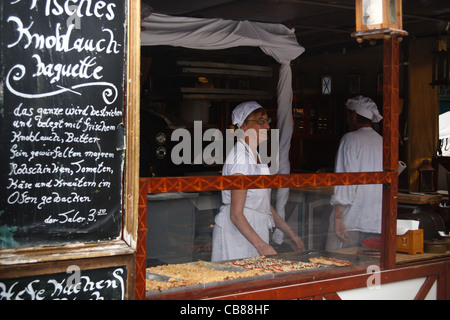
(372,11)
(171,219)
(392,12)
(185,228)
(326,84)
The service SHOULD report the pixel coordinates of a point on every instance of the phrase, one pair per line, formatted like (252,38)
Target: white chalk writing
(58,287)
(28,37)
(64,126)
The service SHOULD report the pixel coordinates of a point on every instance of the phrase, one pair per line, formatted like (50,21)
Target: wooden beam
(132,124)
(390,149)
(217,183)
(425,288)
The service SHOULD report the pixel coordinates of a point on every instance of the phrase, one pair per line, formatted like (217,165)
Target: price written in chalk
(73,216)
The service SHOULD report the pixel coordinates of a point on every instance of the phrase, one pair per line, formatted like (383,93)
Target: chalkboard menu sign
(61,112)
(75,284)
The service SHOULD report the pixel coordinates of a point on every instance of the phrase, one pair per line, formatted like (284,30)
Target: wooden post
(141,249)
(390,149)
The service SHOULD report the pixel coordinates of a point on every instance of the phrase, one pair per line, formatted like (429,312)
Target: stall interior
(190,89)
(196,90)
(180,86)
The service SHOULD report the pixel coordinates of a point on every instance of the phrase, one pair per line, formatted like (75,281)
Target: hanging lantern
(326,82)
(378,19)
(426,177)
(441,68)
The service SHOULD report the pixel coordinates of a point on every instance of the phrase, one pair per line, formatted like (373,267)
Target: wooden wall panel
(423,108)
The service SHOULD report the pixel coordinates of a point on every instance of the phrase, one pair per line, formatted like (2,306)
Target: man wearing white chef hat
(365,107)
(357,208)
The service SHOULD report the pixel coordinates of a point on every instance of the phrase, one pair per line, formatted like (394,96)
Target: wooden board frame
(50,267)
(34,260)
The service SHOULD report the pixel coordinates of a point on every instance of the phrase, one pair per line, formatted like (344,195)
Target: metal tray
(210,265)
(305,255)
(291,256)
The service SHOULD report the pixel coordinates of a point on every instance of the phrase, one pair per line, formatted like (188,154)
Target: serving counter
(363,279)
(403,259)
(419,198)
(424,275)
(204,280)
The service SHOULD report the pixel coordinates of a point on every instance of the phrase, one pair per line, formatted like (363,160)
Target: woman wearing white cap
(242,227)
(357,208)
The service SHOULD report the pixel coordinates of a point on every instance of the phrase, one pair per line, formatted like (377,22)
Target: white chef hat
(365,107)
(241,112)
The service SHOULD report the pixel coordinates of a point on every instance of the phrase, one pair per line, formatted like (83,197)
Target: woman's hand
(340,230)
(265,250)
(339,225)
(296,243)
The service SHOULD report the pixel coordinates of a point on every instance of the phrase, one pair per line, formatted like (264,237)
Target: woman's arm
(339,226)
(283,226)
(240,221)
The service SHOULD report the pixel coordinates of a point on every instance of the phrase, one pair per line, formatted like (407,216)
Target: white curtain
(276,40)
(444,132)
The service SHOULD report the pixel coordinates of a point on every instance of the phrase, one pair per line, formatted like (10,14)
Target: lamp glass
(326,85)
(377,19)
(372,12)
(392,12)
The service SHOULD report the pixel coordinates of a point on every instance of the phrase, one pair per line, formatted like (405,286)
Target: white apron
(228,242)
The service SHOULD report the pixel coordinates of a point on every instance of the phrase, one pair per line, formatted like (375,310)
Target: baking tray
(211,265)
(291,256)
(305,255)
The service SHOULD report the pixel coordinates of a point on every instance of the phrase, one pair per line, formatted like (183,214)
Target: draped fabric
(275,40)
(444,133)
